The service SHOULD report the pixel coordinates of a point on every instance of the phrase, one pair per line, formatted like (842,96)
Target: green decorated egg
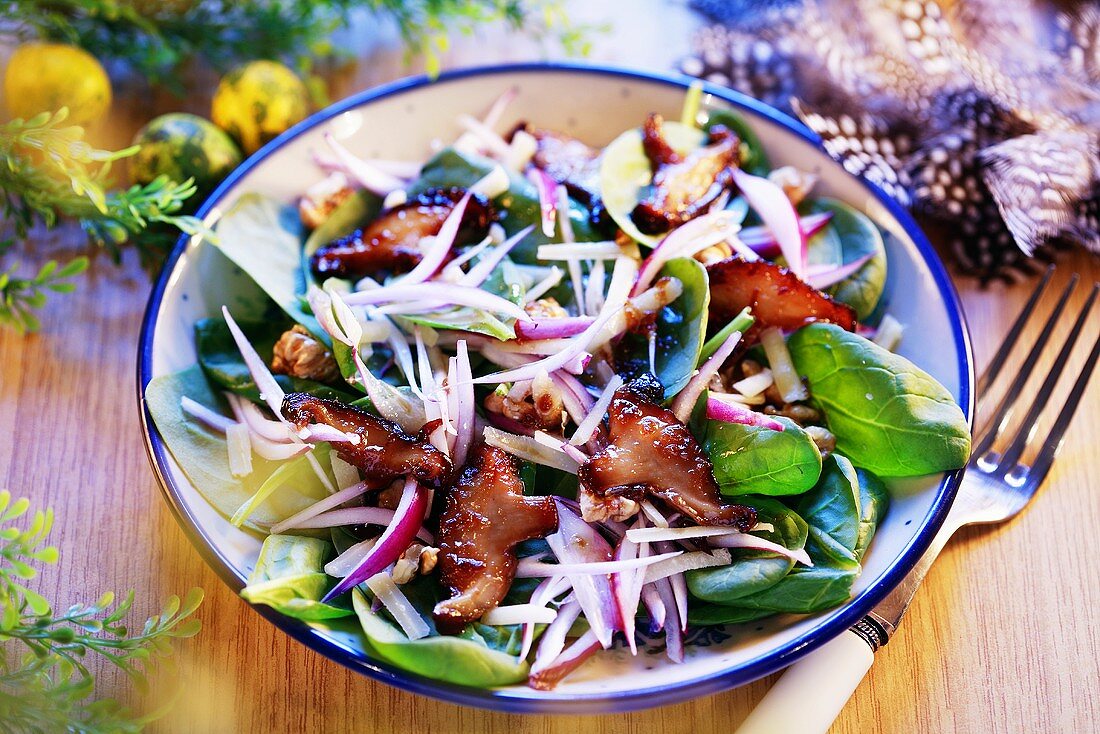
(181,146)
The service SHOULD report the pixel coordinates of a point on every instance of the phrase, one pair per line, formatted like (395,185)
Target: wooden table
(1001,638)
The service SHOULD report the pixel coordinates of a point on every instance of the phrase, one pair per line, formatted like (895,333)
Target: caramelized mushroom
(683,187)
(777,297)
(391,242)
(384,451)
(484,516)
(573,164)
(651,453)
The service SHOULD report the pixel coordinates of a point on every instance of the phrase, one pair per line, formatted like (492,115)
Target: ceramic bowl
(400,121)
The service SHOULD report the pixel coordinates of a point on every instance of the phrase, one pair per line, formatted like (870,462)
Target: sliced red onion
(558,444)
(730,411)
(685,400)
(553,639)
(678,584)
(269,389)
(480,272)
(773,207)
(466,405)
(400,169)
(762,241)
(617,295)
(654,607)
(390,403)
(530,450)
(496,110)
(250,414)
(574,397)
(627,587)
(538,290)
(210,418)
(328,503)
(320,432)
(404,613)
(677,565)
(822,277)
(745,540)
(660,533)
(547,590)
(583,648)
(441,245)
(587,427)
(545,187)
(578,542)
(445,294)
(393,541)
(654,514)
(368,176)
(509,425)
(685,241)
(492,141)
(529,569)
(520,614)
(553,328)
(274,451)
(357,516)
(239,447)
(674,634)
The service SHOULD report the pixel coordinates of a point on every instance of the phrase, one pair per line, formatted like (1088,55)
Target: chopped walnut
(545,308)
(750,367)
(796,184)
(322,198)
(522,405)
(547,401)
(597,509)
(825,440)
(714,253)
(417,559)
(299,354)
(797,412)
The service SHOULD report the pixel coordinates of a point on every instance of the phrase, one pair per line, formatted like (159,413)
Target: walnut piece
(299,354)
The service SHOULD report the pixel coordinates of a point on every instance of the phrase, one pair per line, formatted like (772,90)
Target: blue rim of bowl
(573,703)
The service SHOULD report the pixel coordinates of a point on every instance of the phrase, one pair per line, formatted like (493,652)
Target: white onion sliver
(889,333)
(441,244)
(333,500)
(686,240)
(686,562)
(591,421)
(466,405)
(604,250)
(529,449)
(240,450)
(346,474)
(651,535)
(755,384)
(773,207)
(745,540)
(346,562)
(269,389)
(520,614)
(212,419)
(442,293)
(538,290)
(527,569)
(480,272)
(786,376)
(398,605)
(250,414)
(654,514)
(368,176)
(685,400)
(553,639)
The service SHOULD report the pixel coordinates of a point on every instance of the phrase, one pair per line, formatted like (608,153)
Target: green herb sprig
(45,683)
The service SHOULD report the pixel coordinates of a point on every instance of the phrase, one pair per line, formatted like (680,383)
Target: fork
(995,487)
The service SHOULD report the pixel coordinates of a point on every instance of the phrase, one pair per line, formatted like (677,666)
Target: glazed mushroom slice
(683,187)
(651,453)
(384,451)
(484,516)
(777,297)
(572,163)
(391,243)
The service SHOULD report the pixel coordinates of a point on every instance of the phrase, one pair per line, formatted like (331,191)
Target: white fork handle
(808,697)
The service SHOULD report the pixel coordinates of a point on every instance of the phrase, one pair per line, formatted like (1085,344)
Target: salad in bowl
(528,400)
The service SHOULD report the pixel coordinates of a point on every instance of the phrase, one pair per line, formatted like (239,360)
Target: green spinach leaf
(465,660)
(517,207)
(290,578)
(757,460)
(849,236)
(888,415)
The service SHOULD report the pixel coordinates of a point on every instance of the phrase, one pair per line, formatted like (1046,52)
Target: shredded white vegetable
(404,613)
(786,376)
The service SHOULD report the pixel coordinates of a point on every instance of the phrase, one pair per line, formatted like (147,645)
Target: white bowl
(399,121)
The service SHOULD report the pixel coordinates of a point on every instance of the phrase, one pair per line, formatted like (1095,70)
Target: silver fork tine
(1053,440)
(1009,343)
(1027,428)
(998,422)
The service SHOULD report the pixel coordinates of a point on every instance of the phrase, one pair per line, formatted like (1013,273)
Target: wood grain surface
(1001,638)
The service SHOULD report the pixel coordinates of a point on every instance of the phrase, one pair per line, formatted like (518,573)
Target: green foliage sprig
(45,684)
(47,172)
(155,37)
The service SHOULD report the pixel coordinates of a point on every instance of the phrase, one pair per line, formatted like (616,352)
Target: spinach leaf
(203,456)
(757,460)
(753,571)
(294,475)
(753,158)
(517,207)
(681,328)
(263,237)
(874,500)
(290,578)
(888,415)
(466,660)
(833,510)
(222,362)
(849,236)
